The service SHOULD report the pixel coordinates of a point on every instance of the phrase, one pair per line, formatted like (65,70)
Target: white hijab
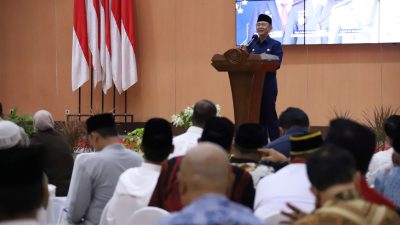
(43,120)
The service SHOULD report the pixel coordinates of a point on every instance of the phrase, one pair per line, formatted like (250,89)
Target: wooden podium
(246,75)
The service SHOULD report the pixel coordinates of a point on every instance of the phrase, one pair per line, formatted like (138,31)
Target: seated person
(334,177)
(387,182)
(95,175)
(23,186)
(292,121)
(248,139)
(204,183)
(359,140)
(382,161)
(12,135)
(136,185)
(57,153)
(290,184)
(202,111)
(218,130)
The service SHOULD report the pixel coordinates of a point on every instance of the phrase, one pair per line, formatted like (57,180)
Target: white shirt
(289,184)
(186,141)
(20,222)
(134,189)
(380,162)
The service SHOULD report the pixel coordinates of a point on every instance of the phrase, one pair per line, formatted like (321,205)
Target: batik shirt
(213,210)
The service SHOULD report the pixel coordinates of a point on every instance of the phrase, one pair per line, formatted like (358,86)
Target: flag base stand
(127,119)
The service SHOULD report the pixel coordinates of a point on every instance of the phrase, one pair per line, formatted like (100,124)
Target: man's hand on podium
(243,47)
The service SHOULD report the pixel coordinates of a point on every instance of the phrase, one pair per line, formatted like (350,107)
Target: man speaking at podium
(265,44)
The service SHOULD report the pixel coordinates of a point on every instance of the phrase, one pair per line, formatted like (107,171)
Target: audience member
(95,175)
(57,153)
(23,187)
(292,121)
(136,185)
(359,140)
(203,110)
(382,161)
(333,175)
(290,184)
(218,130)
(204,182)
(248,139)
(12,135)
(387,182)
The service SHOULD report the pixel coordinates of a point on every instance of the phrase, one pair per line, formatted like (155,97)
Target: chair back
(148,216)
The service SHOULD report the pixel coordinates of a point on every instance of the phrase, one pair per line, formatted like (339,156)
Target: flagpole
(102,102)
(126,103)
(91,83)
(114,99)
(125,110)
(79,104)
(91,91)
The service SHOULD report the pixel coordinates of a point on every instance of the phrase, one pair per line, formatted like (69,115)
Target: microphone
(253,39)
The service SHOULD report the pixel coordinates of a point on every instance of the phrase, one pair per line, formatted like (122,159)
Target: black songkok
(99,121)
(305,144)
(266,18)
(250,136)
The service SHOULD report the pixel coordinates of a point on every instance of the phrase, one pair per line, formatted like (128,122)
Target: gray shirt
(93,181)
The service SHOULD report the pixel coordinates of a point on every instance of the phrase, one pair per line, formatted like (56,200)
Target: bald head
(204,170)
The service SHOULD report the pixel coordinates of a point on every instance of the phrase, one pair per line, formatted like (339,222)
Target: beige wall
(176,40)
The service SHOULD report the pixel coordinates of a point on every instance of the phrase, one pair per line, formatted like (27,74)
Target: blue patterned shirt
(388,183)
(213,210)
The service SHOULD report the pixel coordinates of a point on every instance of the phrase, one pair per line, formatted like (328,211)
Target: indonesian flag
(80,52)
(106,27)
(115,29)
(129,70)
(93,16)
(105,45)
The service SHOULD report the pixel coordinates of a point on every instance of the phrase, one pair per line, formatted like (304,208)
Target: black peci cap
(265,18)
(99,121)
(305,144)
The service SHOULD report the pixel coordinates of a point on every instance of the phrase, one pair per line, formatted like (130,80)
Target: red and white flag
(128,70)
(93,16)
(115,29)
(80,51)
(106,27)
(105,45)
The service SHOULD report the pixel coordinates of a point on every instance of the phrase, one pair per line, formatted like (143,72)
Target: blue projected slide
(299,22)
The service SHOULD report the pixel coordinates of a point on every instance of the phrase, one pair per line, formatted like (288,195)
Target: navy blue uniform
(268,116)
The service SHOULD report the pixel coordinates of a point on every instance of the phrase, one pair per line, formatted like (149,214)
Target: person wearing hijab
(57,153)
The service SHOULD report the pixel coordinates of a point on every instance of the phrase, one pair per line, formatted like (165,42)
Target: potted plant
(24,121)
(376,120)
